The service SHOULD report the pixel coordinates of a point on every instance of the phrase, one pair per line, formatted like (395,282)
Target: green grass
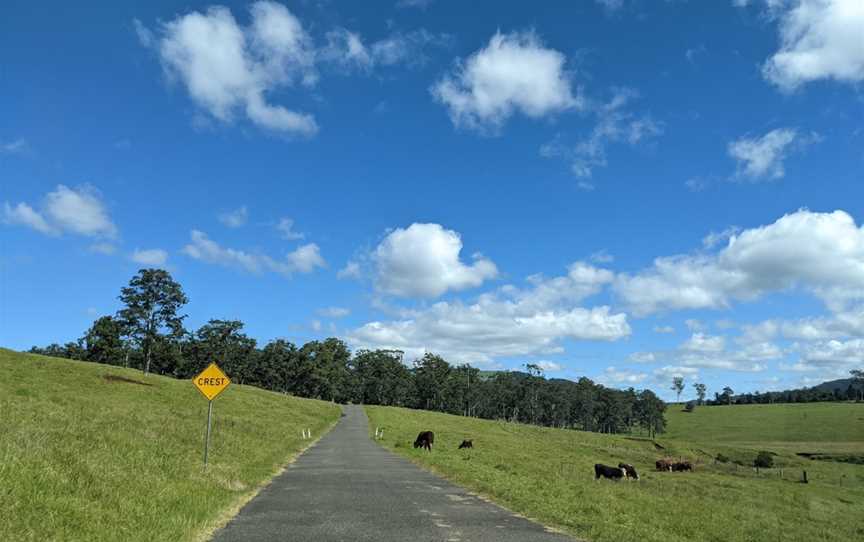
(85,458)
(805,427)
(547,474)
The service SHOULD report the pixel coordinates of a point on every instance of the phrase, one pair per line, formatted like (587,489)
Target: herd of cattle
(623,471)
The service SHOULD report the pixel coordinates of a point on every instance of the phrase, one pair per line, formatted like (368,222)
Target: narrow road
(348,488)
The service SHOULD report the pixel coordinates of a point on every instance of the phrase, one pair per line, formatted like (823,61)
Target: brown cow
(630,470)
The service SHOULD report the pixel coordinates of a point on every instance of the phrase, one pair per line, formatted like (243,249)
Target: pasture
(547,474)
(93,452)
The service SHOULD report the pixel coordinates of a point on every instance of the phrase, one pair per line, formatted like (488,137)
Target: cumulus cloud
(514,73)
(819,39)
(235,218)
(153,257)
(423,260)
(508,322)
(227,68)
(303,260)
(79,211)
(350,271)
(822,253)
(762,157)
(615,124)
(286,230)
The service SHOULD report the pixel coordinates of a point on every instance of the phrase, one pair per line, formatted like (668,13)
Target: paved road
(348,488)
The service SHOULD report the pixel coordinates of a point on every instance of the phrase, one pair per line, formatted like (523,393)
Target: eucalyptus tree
(152,301)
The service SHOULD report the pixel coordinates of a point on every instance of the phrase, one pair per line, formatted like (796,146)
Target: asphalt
(348,488)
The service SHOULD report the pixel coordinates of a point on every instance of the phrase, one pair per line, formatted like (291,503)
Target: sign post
(210,382)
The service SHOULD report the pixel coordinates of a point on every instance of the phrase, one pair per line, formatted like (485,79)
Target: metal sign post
(207,438)
(210,382)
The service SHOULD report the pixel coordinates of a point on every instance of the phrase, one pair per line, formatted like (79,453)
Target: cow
(681,466)
(425,440)
(613,473)
(466,444)
(629,470)
(663,465)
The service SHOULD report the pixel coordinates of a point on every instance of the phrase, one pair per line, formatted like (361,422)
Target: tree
(650,413)
(858,377)
(223,342)
(726,396)
(701,390)
(103,342)
(678,386)
(152,300)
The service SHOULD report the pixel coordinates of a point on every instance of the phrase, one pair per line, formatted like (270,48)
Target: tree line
(147,333)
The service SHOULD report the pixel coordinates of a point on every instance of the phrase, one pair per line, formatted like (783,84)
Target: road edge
(230,512)
(482,496)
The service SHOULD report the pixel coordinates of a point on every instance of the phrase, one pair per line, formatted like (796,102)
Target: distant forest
(148,334)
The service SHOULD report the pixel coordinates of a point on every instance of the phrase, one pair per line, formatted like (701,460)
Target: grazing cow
(613,473)
(466,444)
(425,440)
(629,470)
(663,465)
(681,466)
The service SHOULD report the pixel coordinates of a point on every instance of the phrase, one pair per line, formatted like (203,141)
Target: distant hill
(841,385)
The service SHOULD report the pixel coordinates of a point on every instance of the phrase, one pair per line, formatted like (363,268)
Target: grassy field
(805,427)
(547,474)
(85,457)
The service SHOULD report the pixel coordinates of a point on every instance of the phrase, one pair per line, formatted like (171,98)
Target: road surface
(348,488)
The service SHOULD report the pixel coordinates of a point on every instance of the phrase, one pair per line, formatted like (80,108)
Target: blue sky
(628,190)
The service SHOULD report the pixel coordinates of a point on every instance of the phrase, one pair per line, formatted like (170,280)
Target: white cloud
(549,366)
(349,50)
(834,353)
(601,256)
(716,238)
(642,357)
(762,157)
(668,372)
(227,68)
(699,342)
(664,329)
(154,257)
(422,4)
(423,261)
(822,253)
(304,260)
(351,270)
(235,218)
(615,124)
(334,312)
(611,5)
(819,39)
(508,322)
(79,211)
(103,248)
(286,230)
(24,215)
(513,73)
(613,375)
(315,325)
(19,146)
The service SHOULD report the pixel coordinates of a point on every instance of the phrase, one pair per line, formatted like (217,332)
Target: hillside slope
(547,474)
(93,452)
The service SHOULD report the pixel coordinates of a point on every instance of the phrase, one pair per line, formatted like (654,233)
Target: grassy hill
(797,427)
(92,452)
(547,474)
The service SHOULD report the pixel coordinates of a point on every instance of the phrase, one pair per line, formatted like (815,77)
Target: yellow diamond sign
(211,381)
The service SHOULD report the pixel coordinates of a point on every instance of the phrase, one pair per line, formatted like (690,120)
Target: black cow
(425,440)
(630,470)
(682,466)
(613,473)
(466,444)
